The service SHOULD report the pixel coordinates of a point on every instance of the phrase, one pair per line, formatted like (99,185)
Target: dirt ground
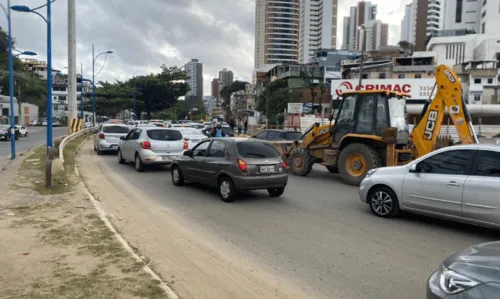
(193,267)
(54,245)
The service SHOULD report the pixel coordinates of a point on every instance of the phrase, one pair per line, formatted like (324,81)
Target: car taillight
(101,135)
(186,144)
(283,164)
(242,165)
(232,135)
(146,145)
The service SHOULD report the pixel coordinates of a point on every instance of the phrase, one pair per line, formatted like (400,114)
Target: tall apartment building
(376,32)
(481,16)
(276,32)
(194,72)
(423,18)
(215,88)
(225,77)
(318,27)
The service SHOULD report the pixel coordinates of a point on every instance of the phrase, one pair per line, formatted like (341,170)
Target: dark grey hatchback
(232,165)
(472,273)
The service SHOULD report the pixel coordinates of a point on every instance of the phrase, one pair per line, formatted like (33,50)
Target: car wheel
(226,189)
(99,152)
(26,135)
(276,192)
(177,176)
(120,158)
(383,202)
(139,166)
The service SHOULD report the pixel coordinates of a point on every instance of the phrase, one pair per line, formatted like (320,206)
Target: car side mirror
(414,168)
(187,153)
(122,137)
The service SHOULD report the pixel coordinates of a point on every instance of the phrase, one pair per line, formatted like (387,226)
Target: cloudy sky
(147,33)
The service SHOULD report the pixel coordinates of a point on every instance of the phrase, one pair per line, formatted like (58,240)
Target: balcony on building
(414,64)
(295,71)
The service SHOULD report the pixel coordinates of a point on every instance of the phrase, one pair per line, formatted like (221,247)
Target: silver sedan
(460,183)
(108,136)
(151,146)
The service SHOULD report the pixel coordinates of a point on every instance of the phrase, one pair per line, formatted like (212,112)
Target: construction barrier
(76,125)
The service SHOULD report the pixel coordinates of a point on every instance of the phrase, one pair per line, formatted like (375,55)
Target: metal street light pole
(82,97)
(72,106)
(11,89)
(24,8)
(94,58)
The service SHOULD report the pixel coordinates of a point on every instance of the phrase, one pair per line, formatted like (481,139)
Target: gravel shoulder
(193,266)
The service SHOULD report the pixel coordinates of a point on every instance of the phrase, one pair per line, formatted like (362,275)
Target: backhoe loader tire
(300,162)
(355,160)
(332,169)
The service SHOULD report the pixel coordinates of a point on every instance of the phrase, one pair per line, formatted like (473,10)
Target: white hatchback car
(151,146)
(23,131)
(460,183)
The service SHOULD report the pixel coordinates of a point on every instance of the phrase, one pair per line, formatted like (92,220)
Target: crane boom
(448,96)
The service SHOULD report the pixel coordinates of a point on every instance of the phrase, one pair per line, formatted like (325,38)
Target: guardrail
(66,140)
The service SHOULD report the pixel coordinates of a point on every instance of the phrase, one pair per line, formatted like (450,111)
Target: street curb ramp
(104,217)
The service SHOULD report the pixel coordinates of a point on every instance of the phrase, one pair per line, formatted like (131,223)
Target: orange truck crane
(371,130)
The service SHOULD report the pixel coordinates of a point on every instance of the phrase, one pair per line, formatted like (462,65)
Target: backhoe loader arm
(448,96)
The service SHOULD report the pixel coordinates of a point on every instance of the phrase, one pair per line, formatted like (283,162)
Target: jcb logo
(430,125)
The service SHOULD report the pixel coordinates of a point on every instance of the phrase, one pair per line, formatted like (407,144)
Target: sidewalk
(54,245)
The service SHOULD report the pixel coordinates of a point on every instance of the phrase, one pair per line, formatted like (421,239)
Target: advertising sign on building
(417,89)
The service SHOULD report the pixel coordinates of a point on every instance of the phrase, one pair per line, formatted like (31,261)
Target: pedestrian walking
(240,127)
(245,125)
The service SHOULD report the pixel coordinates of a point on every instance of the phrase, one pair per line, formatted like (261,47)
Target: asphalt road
(318,235)
(36,136)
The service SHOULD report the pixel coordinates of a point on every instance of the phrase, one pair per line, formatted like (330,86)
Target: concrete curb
(104,217)
(66,140)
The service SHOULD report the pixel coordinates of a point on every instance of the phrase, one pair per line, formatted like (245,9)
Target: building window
(381,75)
(483,14)
(418,76)
(364,76)
(458,11)
(490,80)
(477,81)
(401,76)
(483,27)
(477,97)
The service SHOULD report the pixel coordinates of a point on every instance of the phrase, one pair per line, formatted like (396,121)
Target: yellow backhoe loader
(370,130)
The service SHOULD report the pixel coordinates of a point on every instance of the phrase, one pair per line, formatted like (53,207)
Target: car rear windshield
(115,129)
(293,135)
(164,135)
(257,150)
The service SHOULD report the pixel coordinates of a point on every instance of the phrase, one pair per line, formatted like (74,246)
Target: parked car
(56,123)
(34,122)
(44,123)
(472,273)
(23,131)
(151,146)
(232,165)
(459,183)
(108,137)
(279,135)
(192,136)
(5,132)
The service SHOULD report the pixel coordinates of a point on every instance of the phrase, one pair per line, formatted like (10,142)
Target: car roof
(114,124)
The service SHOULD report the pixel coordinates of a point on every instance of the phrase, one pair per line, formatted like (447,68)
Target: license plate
(267,169)
(166,158)
(114,146)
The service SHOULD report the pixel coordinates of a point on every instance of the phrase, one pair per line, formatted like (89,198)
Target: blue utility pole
(49,76)
(93,86)
(11,89)
(82,98)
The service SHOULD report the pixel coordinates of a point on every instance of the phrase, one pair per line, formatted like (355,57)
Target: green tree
(226,92)
(111,107)
(274,99)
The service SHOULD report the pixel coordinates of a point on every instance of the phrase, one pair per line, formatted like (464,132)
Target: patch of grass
(41,222)
(150,290)
(34,167)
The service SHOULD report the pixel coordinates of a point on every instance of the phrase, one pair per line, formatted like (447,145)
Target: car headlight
(452,282)
(370,172)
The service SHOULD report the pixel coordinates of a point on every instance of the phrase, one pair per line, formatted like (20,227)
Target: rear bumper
(107,146)
(152,158)
(242,183)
